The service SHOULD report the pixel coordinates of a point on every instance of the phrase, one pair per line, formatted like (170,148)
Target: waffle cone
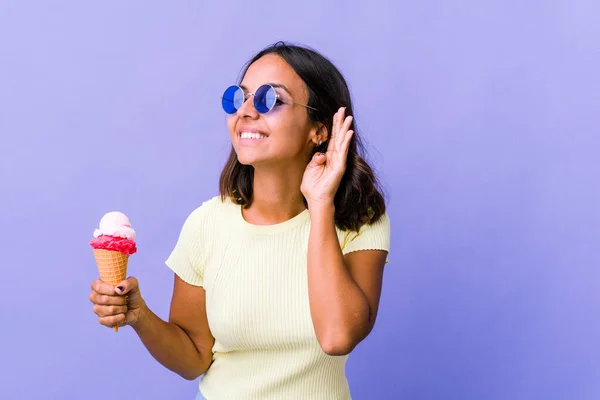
(112,266)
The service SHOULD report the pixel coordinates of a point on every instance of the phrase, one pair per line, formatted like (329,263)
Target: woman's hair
(358,199)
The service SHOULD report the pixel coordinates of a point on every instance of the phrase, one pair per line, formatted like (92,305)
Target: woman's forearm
(338,307)
(170,345)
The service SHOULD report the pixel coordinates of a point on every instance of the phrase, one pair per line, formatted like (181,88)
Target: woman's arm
(184,344)
(343,291)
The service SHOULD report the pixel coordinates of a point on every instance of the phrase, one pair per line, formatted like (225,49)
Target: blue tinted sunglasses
(265,98)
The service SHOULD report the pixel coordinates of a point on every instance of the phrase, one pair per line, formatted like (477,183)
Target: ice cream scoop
(116,224)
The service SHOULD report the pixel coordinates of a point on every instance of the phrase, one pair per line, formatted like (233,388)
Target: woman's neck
(276,196)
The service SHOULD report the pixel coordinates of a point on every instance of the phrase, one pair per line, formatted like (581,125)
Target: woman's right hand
(117,305)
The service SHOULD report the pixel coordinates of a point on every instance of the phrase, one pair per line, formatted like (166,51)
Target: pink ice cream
(115,233)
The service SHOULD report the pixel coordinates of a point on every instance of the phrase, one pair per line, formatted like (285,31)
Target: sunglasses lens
(233,98)
(265,98)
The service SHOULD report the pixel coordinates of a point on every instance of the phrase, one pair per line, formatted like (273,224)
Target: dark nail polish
(121,288)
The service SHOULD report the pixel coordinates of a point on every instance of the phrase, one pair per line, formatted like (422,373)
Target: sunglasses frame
(247,95)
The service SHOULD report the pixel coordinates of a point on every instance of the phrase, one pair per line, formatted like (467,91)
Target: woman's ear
(320,134)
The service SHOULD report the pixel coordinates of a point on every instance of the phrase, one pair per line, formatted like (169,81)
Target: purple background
(482,118)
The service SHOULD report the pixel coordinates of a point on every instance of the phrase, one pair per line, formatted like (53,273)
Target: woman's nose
(247,109)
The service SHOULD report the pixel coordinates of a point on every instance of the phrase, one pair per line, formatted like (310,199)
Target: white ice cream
(117,224)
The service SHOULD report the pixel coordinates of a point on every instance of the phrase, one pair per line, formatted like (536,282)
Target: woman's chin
(253,158)
(248,160)
(269,161)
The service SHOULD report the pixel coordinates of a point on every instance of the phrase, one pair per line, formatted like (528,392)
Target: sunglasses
(265,99)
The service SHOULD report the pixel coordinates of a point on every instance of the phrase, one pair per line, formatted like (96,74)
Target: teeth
(251,135)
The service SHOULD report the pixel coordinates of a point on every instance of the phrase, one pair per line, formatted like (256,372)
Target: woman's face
(283,135)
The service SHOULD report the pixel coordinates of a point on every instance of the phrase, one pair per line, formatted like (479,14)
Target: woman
(279,277)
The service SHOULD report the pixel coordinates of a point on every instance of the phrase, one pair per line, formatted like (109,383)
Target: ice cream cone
(112,266)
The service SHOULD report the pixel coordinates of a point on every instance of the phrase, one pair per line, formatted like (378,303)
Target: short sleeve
(375,236)
(185,259)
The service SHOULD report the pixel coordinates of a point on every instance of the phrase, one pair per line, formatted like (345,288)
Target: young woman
(279,277)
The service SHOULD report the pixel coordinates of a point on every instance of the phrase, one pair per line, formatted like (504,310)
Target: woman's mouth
(252,135)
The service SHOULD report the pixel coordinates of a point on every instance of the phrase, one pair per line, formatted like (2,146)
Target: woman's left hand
(324,173)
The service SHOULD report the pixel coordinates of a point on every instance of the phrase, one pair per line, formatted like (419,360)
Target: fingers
(339,128)
(110,310)
(345,126)
(113,320)
(106,300)
(104,294)
(342,134)
(107,311)
(346,143)
(103,288)
(334,129)
(333,143)
(127,286)
(318,159)
(111,303)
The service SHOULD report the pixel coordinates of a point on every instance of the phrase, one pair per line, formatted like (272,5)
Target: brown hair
(358,199)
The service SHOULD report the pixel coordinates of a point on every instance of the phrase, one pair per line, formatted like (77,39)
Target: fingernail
(121,288)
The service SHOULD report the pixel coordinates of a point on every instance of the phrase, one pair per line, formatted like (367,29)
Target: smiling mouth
(252,135)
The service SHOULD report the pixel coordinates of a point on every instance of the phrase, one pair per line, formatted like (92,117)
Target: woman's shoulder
(216,203)
(374,235)
(381,222)
(213,208)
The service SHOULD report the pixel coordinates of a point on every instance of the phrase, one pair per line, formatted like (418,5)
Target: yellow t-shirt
(255,278)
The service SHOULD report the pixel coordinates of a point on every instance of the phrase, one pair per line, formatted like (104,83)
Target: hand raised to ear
(324,172)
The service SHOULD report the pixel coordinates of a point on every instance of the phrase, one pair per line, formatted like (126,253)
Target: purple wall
(483,119)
